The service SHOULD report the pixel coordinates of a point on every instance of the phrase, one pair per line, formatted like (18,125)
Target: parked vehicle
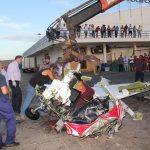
(28,64)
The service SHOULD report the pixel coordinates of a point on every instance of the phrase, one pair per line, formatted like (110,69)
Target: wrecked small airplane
(97,110)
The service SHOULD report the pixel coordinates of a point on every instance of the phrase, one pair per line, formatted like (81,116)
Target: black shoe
(12,144)
(3,145)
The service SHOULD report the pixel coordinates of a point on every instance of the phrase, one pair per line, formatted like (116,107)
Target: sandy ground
(134,135)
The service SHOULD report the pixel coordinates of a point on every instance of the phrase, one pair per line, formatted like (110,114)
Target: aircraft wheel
(32,114)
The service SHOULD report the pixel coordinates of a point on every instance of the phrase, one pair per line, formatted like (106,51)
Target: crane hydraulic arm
(88,10)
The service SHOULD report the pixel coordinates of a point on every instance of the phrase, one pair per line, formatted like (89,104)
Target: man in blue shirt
(7,113)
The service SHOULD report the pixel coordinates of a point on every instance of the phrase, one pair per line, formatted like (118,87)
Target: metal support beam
(134,48)
(104,53)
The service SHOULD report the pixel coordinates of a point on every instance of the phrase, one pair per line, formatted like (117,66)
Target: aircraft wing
(114,89)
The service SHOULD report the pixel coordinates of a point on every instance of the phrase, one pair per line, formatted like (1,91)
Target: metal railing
(142,34)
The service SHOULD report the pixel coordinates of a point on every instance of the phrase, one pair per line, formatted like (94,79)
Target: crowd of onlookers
(128,63)
(104,31)
(137,64)
(109,31)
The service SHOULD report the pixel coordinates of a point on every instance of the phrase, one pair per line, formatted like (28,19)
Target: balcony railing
(143,34)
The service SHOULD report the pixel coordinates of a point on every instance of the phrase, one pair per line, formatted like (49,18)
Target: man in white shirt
(14,78)
(126,63)
(131,63)
(139,30)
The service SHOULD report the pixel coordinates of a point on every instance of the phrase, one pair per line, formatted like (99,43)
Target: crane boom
(88,10)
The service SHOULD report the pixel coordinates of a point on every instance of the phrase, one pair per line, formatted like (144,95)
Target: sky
(22,20)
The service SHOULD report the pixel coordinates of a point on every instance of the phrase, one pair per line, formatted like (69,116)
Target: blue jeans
(2,125)
(139,76)
(28,99)
(7,114)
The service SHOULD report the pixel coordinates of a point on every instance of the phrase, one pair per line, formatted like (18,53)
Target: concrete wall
(134,17)
(39,58)
(116,52)
(53,52)
(141,52)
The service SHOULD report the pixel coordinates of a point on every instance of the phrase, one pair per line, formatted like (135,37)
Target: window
(96,50)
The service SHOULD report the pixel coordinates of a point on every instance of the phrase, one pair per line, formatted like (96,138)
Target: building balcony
(44,42)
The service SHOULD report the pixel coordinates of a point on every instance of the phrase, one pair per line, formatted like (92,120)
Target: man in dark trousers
(120,62)
(7,114)
(139,67)
(14,78)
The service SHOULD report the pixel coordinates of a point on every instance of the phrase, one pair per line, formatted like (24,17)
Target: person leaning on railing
(139,30)
(89,31)
(134,31)
(96,31)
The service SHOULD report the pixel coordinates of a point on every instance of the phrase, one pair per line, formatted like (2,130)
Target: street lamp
(39,34)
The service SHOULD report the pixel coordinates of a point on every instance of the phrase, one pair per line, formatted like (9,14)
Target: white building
(108,48)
